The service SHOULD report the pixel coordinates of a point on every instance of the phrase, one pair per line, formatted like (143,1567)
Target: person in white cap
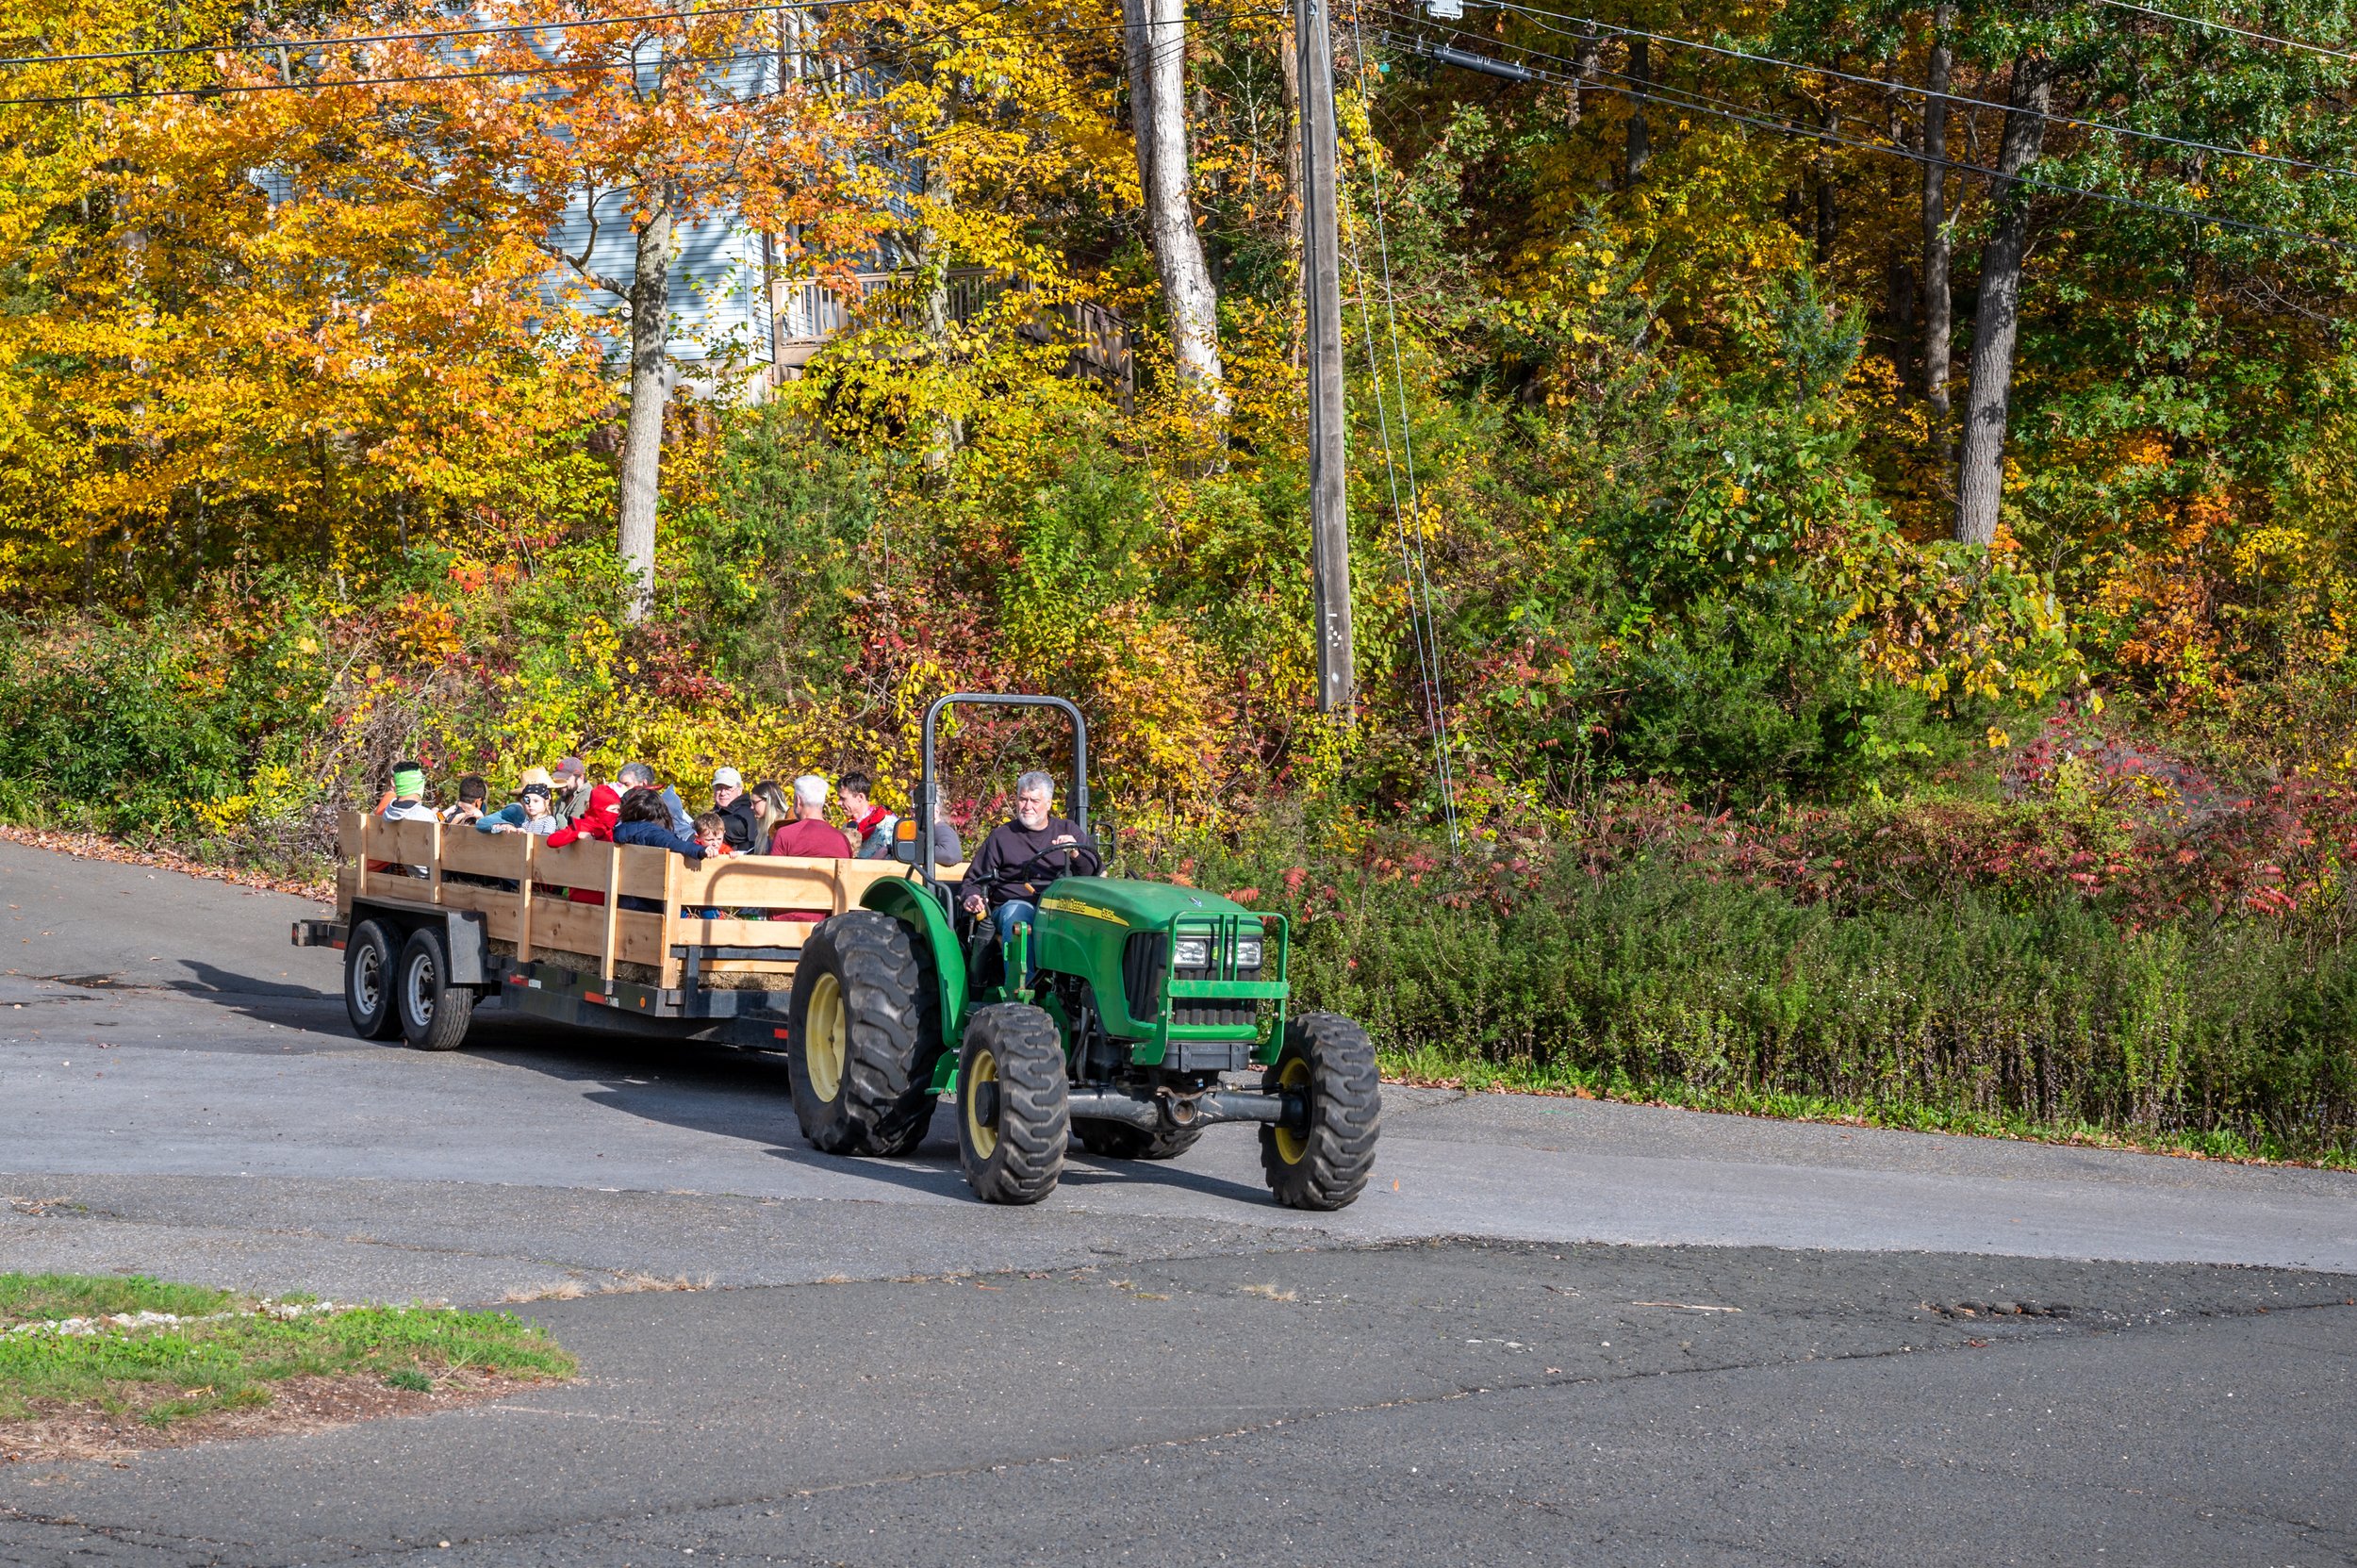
(739,820)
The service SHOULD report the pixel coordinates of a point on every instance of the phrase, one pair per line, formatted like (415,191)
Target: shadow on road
(747,1095)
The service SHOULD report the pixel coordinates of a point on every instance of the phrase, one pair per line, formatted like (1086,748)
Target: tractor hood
(1139,905)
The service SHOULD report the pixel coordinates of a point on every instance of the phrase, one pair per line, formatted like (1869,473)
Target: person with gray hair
(808,834)
(639,775)
(1023,855)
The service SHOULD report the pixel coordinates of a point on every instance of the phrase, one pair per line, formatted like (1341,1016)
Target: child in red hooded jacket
(596,824)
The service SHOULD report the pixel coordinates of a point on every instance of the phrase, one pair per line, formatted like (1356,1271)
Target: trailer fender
(465,939)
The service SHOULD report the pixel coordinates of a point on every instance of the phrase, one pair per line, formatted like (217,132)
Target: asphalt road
(1552,1332)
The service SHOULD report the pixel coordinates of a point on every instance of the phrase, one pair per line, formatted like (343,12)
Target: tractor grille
(1237,1012)
(1143,964)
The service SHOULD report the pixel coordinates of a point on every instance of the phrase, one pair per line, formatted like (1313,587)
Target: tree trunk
(1938,304)
(1289,61)
(1289,67)
(1997,317)
(1583,71)
(1828,214)
(949,432)
(642,439)
(1639,144)
(1158,59)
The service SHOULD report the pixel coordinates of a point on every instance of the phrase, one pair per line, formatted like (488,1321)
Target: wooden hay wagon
(434,921)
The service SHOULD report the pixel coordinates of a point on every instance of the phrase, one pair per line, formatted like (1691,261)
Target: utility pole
(1322,289)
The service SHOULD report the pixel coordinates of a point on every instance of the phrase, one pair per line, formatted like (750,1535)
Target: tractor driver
(1022,856)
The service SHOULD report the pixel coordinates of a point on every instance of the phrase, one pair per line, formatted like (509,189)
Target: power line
(1543,17)
(1793,128)
(271,43)
(1415,575)
(2230,27)
(218,91)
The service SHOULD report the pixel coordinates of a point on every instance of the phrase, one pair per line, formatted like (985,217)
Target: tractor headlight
(1248,953)
(1190,952)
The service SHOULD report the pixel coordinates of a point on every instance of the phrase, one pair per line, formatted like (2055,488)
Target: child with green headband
(408,798)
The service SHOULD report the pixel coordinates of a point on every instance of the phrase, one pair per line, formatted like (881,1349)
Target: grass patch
(1439,1067)
(164,1372)
(41,1298)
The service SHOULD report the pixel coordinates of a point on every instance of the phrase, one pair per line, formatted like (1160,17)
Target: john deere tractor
(1144,998)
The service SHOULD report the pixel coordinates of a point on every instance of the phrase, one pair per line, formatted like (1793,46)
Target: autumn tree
(573,120)
(255,334)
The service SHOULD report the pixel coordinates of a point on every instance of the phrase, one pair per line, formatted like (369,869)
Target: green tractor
(1143,996)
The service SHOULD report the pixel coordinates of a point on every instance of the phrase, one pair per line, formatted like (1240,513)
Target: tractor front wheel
(851,1030)
(1013,1114)
(1323,1161)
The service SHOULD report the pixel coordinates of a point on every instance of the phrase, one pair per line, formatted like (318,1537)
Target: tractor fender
(930,932)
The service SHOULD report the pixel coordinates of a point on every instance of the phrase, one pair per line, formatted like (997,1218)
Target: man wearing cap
(569,792)
(739,822)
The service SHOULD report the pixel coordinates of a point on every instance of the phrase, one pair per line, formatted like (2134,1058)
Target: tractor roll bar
(926,803)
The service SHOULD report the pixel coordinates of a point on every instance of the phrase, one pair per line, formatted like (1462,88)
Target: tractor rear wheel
(1324,1161)
(1013,1114)
(1120,1141)
(904,1127)
(851,1030)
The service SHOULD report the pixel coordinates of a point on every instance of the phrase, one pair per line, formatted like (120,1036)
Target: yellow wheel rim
(1292,1147)
(982,1069)
(824,1047)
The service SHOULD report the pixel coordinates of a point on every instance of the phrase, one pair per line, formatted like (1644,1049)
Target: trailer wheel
(1014,1116)
(1324,1162)
(851,1037)
(1110,1140)
(434,1013)
(369,981)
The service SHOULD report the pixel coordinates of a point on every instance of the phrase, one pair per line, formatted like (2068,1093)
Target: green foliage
(1653,979)
(44,1297)
(126,725)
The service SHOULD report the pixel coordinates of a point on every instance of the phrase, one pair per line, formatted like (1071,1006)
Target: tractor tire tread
(1346,1114)
(1034,1109)
(870,957)
(904,1127)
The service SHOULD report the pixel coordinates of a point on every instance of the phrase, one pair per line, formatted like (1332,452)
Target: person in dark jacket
(646,818)
(1023,856)
(740,818)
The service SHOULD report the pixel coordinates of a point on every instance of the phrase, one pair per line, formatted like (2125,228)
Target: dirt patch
(297,1405)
